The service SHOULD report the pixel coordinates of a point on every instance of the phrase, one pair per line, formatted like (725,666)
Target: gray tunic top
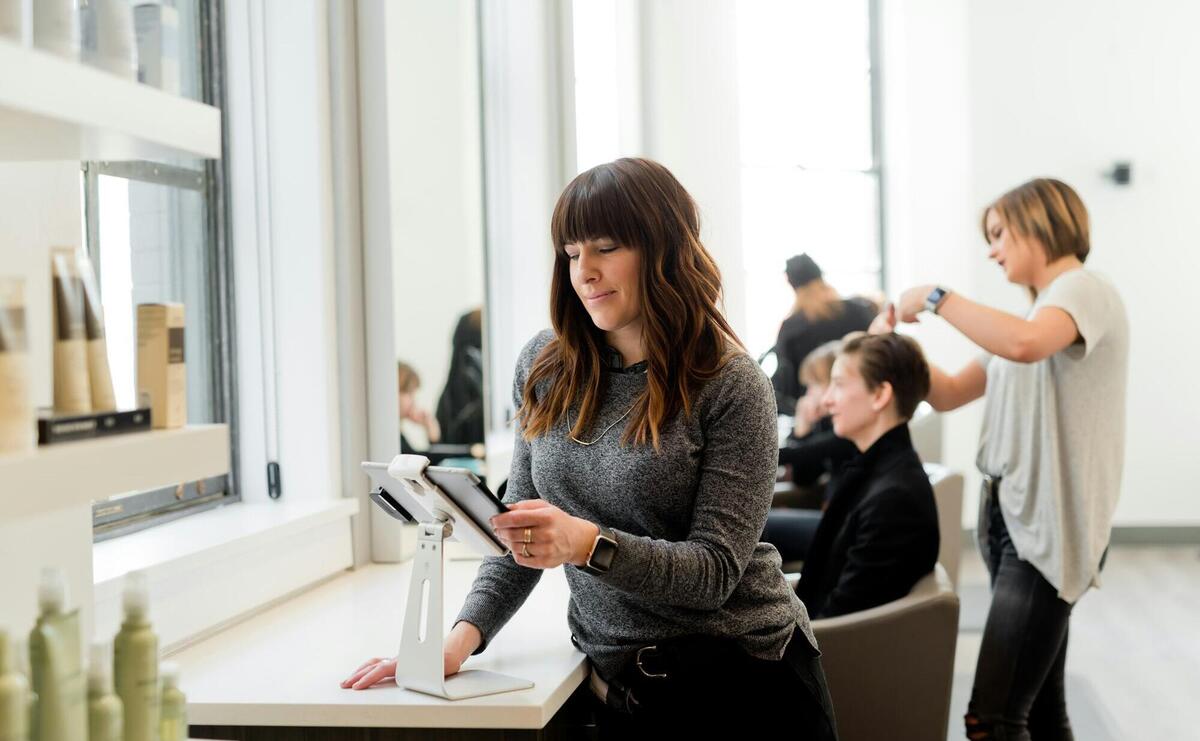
(687,521)
(1055,431)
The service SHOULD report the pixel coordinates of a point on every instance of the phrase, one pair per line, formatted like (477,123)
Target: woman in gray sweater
(644,465)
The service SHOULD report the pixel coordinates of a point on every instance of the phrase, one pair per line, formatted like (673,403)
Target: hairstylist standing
(1051,451)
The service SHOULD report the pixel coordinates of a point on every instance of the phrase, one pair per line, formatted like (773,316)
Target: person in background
(879,534)
(407,384)
(643,465)
(819,315)
(813,450)
(814,454)
(1051,451)
(460,407)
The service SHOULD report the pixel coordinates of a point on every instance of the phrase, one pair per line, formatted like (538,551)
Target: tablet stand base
(420,665)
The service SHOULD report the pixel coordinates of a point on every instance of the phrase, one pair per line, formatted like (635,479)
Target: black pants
(1019,690)
(791,531)
(788,698)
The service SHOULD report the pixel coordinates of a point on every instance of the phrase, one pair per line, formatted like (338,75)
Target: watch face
(603,553)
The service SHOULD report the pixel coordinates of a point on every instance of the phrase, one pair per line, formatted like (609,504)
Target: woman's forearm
(998,332)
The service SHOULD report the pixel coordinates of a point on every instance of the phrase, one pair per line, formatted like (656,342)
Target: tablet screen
(470,494)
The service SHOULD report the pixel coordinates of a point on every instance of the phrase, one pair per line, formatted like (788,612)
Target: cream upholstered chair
(925,427)
(890,668)
(948,495)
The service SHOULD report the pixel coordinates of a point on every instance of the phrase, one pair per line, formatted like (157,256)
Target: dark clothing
(720,679)
(878,536)
(1019,688)
(818,453)
(460,407)
(791,531)
(798,336)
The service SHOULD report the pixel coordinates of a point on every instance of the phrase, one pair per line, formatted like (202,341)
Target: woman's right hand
(460,643)
(885,321)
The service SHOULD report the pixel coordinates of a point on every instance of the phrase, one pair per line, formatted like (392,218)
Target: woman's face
(606,276)
(1019,257)
(852,406)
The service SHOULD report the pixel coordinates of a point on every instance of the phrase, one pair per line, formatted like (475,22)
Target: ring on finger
(528,535)
(525,550)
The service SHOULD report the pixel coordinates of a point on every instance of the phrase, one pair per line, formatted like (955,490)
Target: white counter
(283,667)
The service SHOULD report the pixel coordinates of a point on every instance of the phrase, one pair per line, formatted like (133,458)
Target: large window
(810,172)
(156,232)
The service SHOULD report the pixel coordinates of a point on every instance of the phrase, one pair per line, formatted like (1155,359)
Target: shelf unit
(56,109)
(76,473)
(55,112)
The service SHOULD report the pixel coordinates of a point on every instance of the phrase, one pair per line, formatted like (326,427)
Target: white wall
(980,97)
(41,208)
(437,188)
(689,104)
(930,228)
(1096,82)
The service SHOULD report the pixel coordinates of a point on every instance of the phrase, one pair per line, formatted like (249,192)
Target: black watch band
(604,550)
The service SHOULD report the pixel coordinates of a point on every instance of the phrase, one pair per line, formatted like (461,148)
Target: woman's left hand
(548,535)
(912,303)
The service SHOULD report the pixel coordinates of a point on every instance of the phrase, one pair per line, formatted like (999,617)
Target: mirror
(438,254)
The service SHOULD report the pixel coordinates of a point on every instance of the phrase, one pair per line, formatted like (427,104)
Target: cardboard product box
(161,373)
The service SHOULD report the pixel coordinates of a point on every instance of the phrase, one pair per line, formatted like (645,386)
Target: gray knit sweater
(687,521)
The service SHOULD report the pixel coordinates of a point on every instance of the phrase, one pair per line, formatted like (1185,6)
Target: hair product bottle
(135,660)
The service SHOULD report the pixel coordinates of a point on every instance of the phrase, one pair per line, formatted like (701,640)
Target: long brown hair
(639,204)
(817,301)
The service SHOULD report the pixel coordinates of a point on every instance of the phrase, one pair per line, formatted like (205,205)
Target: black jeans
(788,697)
(1019,690)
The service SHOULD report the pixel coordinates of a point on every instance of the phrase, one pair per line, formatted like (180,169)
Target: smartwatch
(604,549)
(935,298)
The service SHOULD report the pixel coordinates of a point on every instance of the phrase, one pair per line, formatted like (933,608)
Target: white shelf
(69,474)
(55,109)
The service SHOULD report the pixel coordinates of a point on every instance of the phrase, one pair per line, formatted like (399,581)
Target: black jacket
(798,336)
(879,535)
(818,453)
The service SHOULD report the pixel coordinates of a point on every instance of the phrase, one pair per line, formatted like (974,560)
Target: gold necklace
(606,429)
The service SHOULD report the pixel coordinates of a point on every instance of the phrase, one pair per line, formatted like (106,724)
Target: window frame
(119,516)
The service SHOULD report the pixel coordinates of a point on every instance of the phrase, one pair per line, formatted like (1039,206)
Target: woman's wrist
(464,638)
(583,545)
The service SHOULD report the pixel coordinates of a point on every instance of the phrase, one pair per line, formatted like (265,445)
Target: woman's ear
(882,397)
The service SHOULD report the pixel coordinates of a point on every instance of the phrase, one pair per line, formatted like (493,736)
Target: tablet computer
(410,490)
(469,493)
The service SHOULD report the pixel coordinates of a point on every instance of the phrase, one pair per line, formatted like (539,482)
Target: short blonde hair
(1048,210)
(817,366)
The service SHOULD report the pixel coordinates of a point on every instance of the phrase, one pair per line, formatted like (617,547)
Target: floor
(1133,664)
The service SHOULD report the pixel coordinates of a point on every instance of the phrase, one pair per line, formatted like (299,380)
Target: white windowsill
(196,538)
(215,567)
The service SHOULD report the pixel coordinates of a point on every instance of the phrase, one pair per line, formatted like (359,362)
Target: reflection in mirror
(438,236)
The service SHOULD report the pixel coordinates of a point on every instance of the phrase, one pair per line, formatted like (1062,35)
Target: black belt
(665,668)
(991,485)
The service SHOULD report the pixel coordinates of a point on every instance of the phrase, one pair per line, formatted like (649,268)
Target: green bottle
(21,649)
(135,660)
(174,705)
(56,655)
(14,694)
(105,712)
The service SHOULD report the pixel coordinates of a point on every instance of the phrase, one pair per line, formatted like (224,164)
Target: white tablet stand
(420,665)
